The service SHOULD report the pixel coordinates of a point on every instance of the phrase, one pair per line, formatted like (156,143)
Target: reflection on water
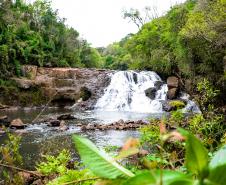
(41,139)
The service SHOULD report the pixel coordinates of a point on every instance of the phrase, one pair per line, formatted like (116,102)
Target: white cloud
(100,21)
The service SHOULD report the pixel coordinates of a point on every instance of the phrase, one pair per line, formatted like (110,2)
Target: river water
(125,98)
(39,139)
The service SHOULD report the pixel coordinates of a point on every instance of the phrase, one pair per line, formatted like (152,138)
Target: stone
(172,82)
(4,121)
(63,126)
(85,93)
(151,92)
(166,107)
(158,84)
(38,182)
(54,123)
(66,117)
(3,106)
(24,83)
(172,93)
(17,123)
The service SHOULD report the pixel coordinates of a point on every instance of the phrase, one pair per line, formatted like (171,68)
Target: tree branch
(20,169)
(82,180)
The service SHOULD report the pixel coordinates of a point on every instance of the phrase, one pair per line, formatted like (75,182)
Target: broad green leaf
(219,158)
(217,175)
(218,167)
(157,177)
(98,161)
(196,156)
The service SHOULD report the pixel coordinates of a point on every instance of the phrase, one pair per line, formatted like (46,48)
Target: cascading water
(126,92)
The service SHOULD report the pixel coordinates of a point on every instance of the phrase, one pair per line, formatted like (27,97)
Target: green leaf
(219,158)
(98,161)
(218,167)
(217,175)
(163,177)
(196,156)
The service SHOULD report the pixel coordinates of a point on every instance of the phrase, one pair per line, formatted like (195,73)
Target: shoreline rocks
(118,125)
(17,124)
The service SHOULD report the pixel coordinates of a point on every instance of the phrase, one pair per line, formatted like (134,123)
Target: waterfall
(126,92)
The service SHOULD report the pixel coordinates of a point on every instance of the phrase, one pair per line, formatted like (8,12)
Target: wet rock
(66,117)
(54,123)
(4,121)
(63,126)
(172,82)
(24,83)
(3,106)
(38,182)
(85,93)
(119,125)
(17,124)
(166,107)
(173,105)
(172,93)
(158,84)
(150,92)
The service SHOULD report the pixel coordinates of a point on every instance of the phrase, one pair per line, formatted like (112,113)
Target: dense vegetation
(189,41)
(35,34)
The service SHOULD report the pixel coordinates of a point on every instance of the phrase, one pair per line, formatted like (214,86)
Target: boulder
(85,93)
(172,93)
(172,82)
(66,117)
(18,124)
(173,105)
(158,84)
(24,83)
(151,92)
(54,123)
(4,121)
(63,126)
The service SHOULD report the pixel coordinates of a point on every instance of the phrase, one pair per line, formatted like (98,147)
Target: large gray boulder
(151,92)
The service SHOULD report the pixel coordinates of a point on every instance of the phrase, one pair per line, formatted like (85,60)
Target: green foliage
(197,162)
(9,92)
(207,95)
(98,161)
(35,34)
(9,155)
(196,155)
(177,104)
(74,175)
(54,164)
(177,116)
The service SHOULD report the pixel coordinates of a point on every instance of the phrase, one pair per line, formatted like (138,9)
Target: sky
(101,22)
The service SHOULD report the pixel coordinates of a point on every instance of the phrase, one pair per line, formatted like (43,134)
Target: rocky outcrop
(64,86)
(173,87)
(151,92)
(17,124)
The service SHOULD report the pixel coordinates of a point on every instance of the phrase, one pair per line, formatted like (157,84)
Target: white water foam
(126,92)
